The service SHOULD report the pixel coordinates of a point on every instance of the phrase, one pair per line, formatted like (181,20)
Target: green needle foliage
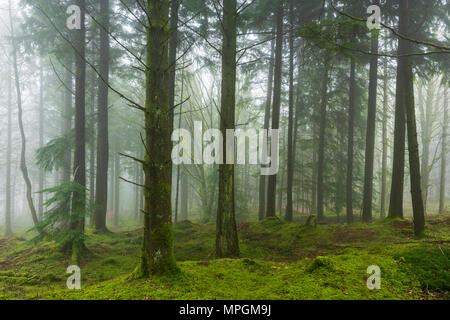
(60,215)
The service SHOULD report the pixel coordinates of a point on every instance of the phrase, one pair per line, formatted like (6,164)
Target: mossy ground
(278,261)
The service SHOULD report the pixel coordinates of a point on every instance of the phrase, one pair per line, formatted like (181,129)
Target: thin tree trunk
(41,140)
(262,178)
(370,133)
(67,118)
(350,142)
(136,190)
(92,151)
(23,165)
(296,127)
(272,185)
(426,125)
(227,244)
(290,164)
(184,197)
(8,227)
(116,189)
(443,154)
(179,124)
(384,144)
(111,183)
(101,188)
(174,8)
(321,150)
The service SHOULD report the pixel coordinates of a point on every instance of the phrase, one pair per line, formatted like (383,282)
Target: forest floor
(278,261)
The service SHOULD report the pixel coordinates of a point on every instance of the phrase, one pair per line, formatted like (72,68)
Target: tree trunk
(290,164)
(184,197)
(101,188)
(23,165)
(351,119)
(321,150)
(398,167)
(174,8)
(272,185)
(116,189)
(79,162)
(227,244)
(262,178)
(157,249)
(443,154)
(370,133)
(413,145)
(384,144)
(41,140)
(8,227)
(137,188)
(111,183)
(67,115)
(92,151)
(426,125)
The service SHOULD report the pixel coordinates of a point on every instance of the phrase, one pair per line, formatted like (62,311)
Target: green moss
(279,261)
(430,265)
(321,262)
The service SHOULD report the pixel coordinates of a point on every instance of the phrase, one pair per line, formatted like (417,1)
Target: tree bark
(413,145)
(101,187)
(227,244)
(426,126)
(8,213)
(92,151)
(184,196)
(41,140)
(262,178)
(290,164)
(321,148)
(398,166)
(351,119)
(117,189)
(443,154)
(79,162)
(67,115)
(272,185)
(157,248)
(384,144)
(174,8)
(370,133)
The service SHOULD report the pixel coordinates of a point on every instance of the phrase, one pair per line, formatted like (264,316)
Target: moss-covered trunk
(227,244)
(157,251)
